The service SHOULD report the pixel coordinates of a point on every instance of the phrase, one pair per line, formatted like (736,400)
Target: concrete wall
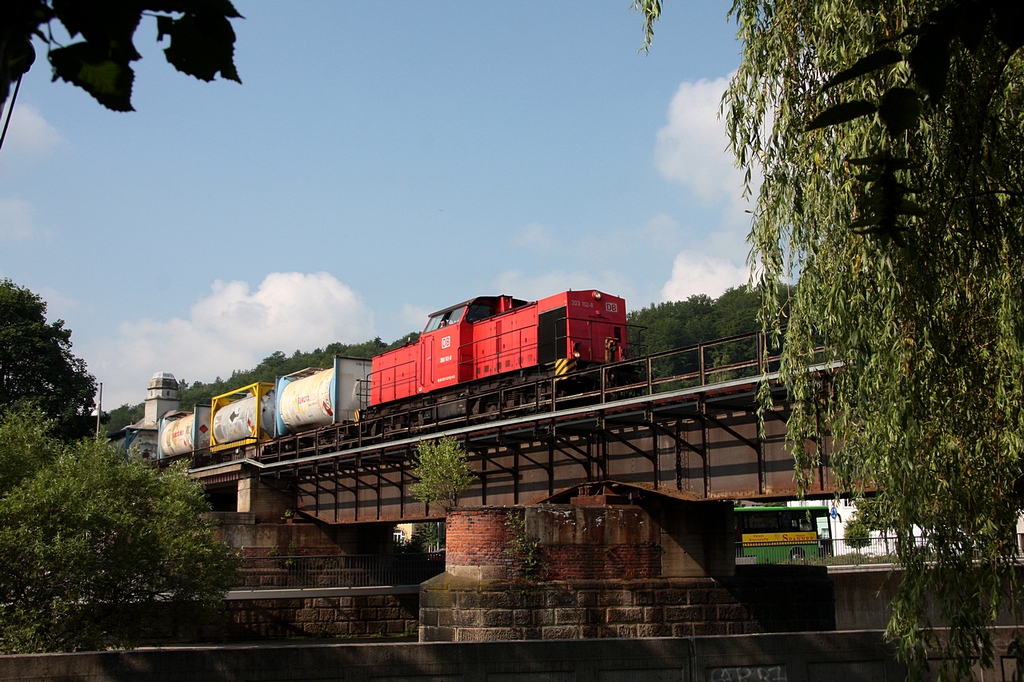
(803,657)
(864,594)
(282,537)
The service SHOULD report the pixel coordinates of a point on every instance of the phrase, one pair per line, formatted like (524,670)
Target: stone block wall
(463,609)
(328,616)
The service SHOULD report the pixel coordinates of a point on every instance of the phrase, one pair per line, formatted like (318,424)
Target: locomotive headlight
(576,350)
(597,295)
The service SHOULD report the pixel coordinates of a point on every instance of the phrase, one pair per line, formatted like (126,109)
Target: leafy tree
(98,552)
(122,416)
(700,319)
(858,535)
(202,42)
(36,364)
(890,137)
(443,472)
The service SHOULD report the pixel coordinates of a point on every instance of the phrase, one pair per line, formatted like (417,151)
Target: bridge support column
(697,538)
(576,571)
(267,503)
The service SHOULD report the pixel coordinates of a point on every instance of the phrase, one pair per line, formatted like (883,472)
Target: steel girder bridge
(682,423)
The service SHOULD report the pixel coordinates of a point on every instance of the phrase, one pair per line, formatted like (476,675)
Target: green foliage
(98,552)
(906,225)
(525,552)
(37,366)
(443,472)
(202,42)
(889,136)
(122,416)
(700,318)
(858,535)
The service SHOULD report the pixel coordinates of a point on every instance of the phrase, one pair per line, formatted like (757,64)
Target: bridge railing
(366,570)
(735,357)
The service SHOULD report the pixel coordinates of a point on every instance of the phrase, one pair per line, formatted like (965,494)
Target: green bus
(771,535)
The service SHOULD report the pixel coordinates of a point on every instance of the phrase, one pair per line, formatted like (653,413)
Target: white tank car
(314,398)
(183,432)
(238,419)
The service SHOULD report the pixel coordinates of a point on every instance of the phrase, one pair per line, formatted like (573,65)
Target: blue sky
(378,162)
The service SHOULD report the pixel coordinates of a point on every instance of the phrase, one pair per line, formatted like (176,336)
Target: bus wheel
(797,553)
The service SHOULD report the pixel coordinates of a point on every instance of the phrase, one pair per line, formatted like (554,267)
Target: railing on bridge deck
(706,364)
(366,570)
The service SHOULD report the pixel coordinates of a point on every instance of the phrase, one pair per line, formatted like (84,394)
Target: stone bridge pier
(591,569)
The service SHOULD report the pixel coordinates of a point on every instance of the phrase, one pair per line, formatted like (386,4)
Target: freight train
(464,351)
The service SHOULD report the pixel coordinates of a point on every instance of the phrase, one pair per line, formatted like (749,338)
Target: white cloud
(535,236)
(30,138)
(414,318)
(692,147)
(232,328)
(15,220)
(698,273)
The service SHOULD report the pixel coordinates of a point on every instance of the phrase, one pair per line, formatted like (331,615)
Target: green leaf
(841,113)
(1009,23)
(908,207)
(107,23)
(22,55)
(929,62)
(892,162)
(86,66)
(202,45)
(872,62)
(900,110)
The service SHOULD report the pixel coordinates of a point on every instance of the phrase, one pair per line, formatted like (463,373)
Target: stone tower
(161,397)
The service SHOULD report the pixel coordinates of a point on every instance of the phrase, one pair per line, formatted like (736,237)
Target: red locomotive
(497,335)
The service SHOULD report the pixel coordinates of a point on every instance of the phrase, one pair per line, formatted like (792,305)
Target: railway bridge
(682,424)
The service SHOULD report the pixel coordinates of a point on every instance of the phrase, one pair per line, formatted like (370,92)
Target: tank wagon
(308,399)
(183,432)
(464,349)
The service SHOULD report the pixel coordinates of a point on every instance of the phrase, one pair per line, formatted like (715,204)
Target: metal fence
(362,570)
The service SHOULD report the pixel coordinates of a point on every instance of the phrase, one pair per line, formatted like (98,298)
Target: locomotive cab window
(444,319)
(479,310)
